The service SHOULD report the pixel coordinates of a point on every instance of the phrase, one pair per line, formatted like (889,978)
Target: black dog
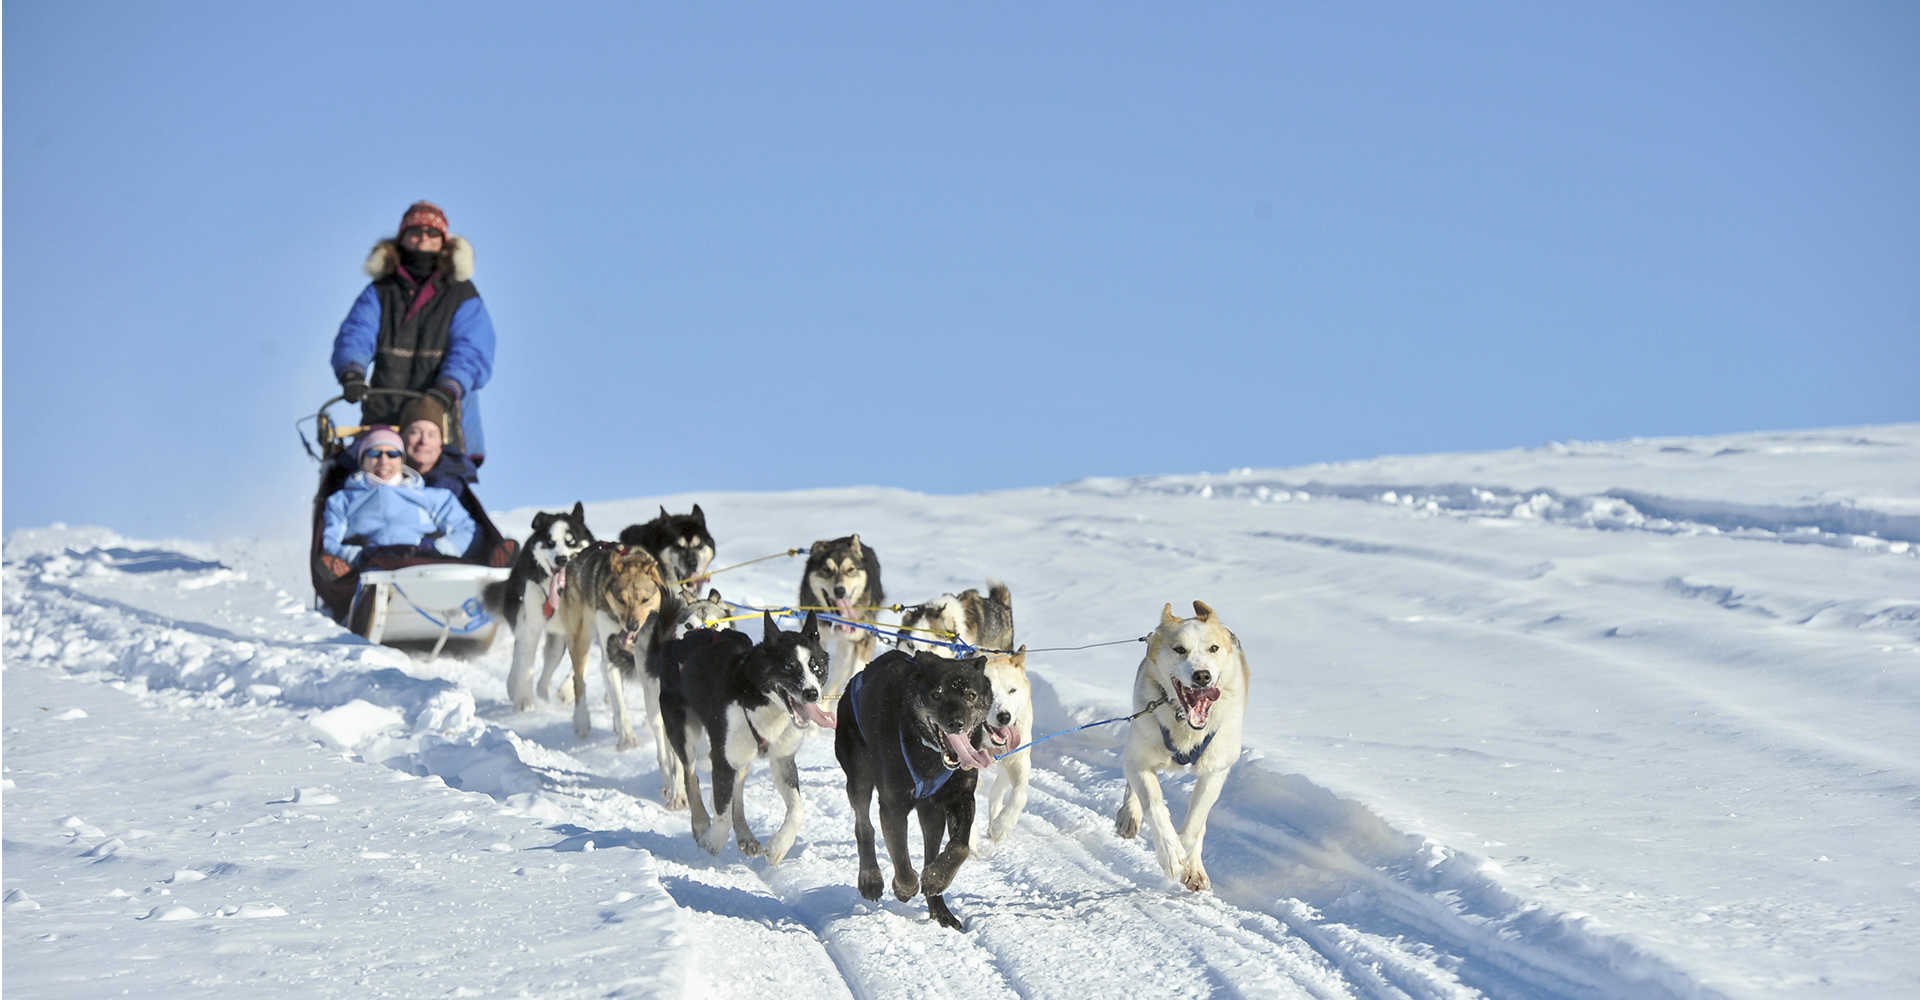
(742,702)
(912,727)
(682,544)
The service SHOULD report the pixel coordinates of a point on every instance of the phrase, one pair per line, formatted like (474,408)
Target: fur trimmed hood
(456,258)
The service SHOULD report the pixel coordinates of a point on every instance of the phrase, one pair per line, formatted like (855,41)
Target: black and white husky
(984,621)
(678,618)
(733,702)
(532,596)
(682,545)
(844,574)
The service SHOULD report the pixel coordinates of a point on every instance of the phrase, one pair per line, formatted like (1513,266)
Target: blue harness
(922,787)
(1184,759)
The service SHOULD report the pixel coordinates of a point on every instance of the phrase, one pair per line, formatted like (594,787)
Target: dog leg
(580,646)
(617,705)
(672,780)
(1126,822)
(957,818)
(551,650)
(893,826)
(1166,840)
(1008,799)
(723,792)
(529,633)
(1206,791)
(696,806)
(860,798)
(786,777)
(742,835)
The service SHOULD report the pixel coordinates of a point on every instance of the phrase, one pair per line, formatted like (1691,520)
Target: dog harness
(922,787)
(1184,759)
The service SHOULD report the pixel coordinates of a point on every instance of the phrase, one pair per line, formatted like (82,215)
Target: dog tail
(493,597)
(998,591)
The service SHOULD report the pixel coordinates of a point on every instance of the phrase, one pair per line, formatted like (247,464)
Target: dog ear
(713,594)
(579,512)
(1205,613)
(1020,657)
(811,627)
(857,550)
(770,629)
(1167,616)
(540,521)
(663,512)
(702,518)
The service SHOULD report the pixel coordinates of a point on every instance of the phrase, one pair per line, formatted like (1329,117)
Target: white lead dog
(1191,691)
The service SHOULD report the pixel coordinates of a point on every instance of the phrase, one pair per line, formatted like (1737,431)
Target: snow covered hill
(1595,720)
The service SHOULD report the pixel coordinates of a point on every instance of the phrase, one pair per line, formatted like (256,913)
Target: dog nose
(1004,718)
(1203,678)
(810,694)
(839,591)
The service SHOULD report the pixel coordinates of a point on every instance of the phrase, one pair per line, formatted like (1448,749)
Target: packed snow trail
(1315,897)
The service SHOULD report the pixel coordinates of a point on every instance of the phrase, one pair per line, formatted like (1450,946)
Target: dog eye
(1215,648)
(1182,650)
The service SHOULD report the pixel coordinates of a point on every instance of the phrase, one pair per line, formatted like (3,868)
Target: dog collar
(1184,759)
(762,740)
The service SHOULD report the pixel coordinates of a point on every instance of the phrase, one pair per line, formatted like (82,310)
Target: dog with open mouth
(1190,694)
(733,702)
(913,730)
(533,594)
(1009,724)
(843,576)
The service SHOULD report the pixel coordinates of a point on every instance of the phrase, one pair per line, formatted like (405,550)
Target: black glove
(444,398)
(353,385)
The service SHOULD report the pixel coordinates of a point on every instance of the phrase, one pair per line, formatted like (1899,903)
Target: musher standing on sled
(419,325)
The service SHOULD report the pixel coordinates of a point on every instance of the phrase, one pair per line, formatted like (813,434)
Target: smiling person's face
(424,443)
(383,462)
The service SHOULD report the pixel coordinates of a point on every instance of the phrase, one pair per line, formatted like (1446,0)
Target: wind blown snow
(1629,719)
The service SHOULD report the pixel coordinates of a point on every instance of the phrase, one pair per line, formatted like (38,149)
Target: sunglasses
(383,453)
(427,231)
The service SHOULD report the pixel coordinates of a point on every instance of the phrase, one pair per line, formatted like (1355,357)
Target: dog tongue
(967,754)
(846,611)
(820,716)
(1200,703)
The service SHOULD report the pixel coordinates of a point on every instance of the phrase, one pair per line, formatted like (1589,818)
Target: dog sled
(401,596)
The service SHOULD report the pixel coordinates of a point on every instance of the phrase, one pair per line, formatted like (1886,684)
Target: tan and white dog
(1009,724)
(612,594)
(1191,691)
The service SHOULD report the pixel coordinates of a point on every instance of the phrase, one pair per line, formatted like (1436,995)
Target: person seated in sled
(423,431)
(385,514)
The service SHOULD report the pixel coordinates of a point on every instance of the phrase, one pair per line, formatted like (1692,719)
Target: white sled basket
(437,603)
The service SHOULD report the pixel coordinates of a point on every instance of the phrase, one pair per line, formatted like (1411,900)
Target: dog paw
(749,845)
(675,799)
(1195,877)
(522,702)
(905,887)
(627,741)
(870,883)
(1126,824)
(937,909)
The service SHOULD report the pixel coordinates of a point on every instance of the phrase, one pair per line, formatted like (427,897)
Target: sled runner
(401,595)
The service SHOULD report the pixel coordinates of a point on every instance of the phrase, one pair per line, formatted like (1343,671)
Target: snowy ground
(1629,719)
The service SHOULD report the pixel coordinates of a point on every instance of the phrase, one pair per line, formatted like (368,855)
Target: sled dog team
(911,727)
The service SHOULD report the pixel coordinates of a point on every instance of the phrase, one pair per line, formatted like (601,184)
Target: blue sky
(950,248)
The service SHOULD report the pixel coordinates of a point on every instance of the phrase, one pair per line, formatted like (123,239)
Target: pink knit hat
(379,437)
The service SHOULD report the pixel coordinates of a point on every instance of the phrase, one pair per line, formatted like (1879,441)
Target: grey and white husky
(984,621)
(532,596)
(844,574)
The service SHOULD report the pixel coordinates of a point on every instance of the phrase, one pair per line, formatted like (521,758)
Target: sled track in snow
(1314,896)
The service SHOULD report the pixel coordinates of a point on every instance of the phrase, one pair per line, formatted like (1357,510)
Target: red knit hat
(424,213)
